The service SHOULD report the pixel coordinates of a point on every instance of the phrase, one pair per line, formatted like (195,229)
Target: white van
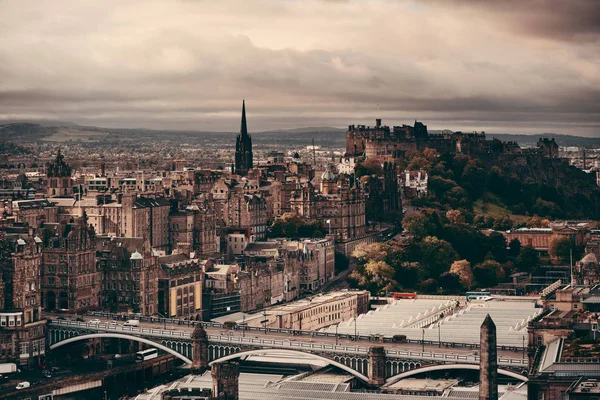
(23,385)
(132,322)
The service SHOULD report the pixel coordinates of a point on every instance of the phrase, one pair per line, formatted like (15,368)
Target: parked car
(94,321)
(46,374)
(23,385)
(79,319)
(61,318)
(132,322)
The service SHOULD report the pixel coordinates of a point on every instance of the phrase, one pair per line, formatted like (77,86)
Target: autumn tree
(455,217)
(560,247)
(366,252)
(375,276)
(462,268)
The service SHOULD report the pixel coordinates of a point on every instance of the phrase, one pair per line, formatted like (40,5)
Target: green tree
(437,256)
(408,274)
(515,247)
(488,273)
(419,225)
(528,259)
(449,282)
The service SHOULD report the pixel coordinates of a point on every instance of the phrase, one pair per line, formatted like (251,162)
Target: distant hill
(531,140)
(562,140)
(312,129)
(324,136)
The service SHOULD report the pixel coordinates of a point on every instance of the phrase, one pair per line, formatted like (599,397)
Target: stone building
(193,229)
(34,212)
(22,331)
(59,182)
(339,207)
(129,270)
(315,262)
(140,213)
(180,282)
(70,277)
(268,280)
(314,313)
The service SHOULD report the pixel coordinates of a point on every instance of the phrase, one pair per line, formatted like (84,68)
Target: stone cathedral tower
(243,148)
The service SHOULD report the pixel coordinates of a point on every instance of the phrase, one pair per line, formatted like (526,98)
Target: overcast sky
(517,66)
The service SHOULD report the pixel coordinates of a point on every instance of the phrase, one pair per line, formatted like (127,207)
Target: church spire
(243,147)
(244,127)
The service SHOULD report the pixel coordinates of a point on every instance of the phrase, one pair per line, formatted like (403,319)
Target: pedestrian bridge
(222,347)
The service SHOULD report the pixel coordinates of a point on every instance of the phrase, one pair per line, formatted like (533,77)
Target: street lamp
(523,346)
(243,325)
(336,334)
(423,341)
(439,335)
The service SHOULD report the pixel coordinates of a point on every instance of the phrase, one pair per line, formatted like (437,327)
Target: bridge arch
(121,336)
(443,367)
(291,352)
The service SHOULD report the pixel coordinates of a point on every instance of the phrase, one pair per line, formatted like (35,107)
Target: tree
(341,262)
(408,274)
(560,247)
(528,259)
(488,273)
(430,154)
(437,256)
(366,252)
(497,245)
(376,276)
(462,268)
(503,223)
(515,247)
(449,282)
(418,225)
(455,217)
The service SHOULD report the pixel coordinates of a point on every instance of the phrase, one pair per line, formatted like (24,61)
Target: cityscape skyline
(186,65)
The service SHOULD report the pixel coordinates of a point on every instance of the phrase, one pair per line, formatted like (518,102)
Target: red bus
(398,296)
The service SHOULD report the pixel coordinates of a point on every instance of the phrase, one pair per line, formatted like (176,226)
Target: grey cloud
(167,67)
(555,19)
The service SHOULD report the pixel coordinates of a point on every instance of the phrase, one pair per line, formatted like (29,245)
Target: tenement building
(130,275)
(180,281)
(22,331)
(337,205)
(70,278)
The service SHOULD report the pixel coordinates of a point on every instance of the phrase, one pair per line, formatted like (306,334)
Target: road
(308,339)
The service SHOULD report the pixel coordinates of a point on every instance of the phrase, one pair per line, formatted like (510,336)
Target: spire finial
(244,127)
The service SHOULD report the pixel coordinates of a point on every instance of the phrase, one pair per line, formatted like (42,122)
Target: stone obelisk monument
(488,364)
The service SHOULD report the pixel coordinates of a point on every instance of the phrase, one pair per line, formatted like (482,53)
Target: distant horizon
(67,124)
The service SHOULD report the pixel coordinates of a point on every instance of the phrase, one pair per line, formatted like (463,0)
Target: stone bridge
(356,360)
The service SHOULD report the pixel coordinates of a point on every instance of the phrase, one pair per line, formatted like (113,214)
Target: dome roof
(199,332)
(136,256)
(328,175)
(589,259)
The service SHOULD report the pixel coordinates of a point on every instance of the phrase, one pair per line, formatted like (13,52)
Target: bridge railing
(293,332)
(283,343)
